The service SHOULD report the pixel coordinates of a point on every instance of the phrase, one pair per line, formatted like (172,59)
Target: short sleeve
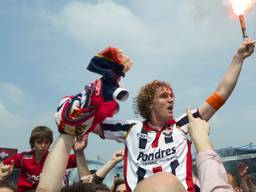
(117,129)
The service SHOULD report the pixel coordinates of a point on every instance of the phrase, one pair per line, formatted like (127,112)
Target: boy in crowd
(31,162)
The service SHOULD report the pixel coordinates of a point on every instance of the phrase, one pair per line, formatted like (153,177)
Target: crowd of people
(157,151)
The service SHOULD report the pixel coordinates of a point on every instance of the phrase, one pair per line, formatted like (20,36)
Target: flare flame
(240,6)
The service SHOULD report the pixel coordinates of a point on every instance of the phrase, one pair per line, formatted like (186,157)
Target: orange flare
(240,6)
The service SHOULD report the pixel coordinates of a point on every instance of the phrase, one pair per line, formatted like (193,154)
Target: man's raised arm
(228,82)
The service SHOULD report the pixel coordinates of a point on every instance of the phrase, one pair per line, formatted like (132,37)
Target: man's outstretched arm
(228,82)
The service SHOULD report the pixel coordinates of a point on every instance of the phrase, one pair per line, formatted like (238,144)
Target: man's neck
(156,125)
(157,122)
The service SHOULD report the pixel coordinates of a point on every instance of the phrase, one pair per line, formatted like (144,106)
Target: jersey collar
(169,125)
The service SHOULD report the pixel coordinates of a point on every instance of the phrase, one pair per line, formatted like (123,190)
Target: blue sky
(46,46)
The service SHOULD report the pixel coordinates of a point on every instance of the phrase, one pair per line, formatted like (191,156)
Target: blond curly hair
(146,96)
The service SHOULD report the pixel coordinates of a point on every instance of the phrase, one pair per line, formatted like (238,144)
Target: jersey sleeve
(71,161)
(117,130)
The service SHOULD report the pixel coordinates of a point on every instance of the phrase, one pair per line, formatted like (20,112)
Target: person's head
(93,171)
(119,186)
(156,99)
(41,138)
(116,177)
(87,178)
(233,181)
(160,182)
(5,186)
(86,187)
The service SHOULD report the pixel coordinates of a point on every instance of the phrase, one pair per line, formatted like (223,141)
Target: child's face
(41,145)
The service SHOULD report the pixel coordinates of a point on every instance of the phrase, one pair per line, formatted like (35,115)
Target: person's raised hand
(6,170)
(118,156)
(246,48)
(80,143)
(199,132)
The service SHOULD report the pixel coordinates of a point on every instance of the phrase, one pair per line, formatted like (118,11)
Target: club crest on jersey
(144,136)
(167,134)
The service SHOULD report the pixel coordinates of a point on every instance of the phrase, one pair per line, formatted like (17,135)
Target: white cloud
(19,126)
(46,118)
(12,94)
(100,23)
(12,101)
(178,30)
(17,116)
(10,120)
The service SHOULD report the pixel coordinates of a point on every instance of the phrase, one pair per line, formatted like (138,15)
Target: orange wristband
(216,100)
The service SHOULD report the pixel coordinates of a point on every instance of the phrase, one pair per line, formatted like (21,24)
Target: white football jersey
(148,150)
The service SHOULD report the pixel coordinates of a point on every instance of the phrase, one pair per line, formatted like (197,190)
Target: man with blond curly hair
(161,143)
